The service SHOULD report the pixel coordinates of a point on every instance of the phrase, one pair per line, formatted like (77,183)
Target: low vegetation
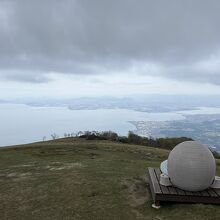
(132,138)
(76,178)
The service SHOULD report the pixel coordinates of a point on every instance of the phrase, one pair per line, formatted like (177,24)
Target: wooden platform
(172,194)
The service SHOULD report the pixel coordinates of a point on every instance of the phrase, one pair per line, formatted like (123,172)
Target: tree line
(166,143)
(132,138)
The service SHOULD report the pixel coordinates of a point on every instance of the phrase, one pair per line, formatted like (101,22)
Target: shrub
(132,138)
(109,135)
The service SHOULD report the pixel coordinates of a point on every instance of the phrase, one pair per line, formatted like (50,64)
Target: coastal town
(204,128)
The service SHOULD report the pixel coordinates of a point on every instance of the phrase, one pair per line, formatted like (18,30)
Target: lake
(24,124)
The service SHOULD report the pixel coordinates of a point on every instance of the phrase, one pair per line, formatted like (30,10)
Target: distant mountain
(144,103)
(147,103)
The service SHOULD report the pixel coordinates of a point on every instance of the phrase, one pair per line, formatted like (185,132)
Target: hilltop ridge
(75,178)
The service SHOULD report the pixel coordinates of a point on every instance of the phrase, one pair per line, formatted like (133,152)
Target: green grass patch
(79,179)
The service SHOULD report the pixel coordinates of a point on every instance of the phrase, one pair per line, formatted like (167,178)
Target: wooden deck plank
(155,183)
(172,190)
(196,193)
(162,193)
(204,193)
(217,191)
(188,193)
(180,191)
(212,192)
(164,189)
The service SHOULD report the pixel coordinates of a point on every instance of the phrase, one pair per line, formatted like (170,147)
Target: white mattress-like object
(163,167)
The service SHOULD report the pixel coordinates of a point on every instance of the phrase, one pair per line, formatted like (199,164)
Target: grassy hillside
(80,179)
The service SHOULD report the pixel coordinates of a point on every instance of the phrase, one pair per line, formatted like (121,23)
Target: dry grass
(78,179)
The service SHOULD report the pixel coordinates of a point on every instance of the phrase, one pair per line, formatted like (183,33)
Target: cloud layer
(174,39)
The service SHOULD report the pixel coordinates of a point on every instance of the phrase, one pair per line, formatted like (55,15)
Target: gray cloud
(103,36)
(30,77)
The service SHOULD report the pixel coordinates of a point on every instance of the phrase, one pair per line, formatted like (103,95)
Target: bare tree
(73,134)
(54,136)
(65,135)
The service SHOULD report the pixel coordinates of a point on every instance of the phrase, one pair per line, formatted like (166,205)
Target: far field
(75,178)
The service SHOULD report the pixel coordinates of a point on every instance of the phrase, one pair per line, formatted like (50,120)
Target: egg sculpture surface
(191,166)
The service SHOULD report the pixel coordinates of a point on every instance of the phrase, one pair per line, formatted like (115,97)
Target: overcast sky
(54,48)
